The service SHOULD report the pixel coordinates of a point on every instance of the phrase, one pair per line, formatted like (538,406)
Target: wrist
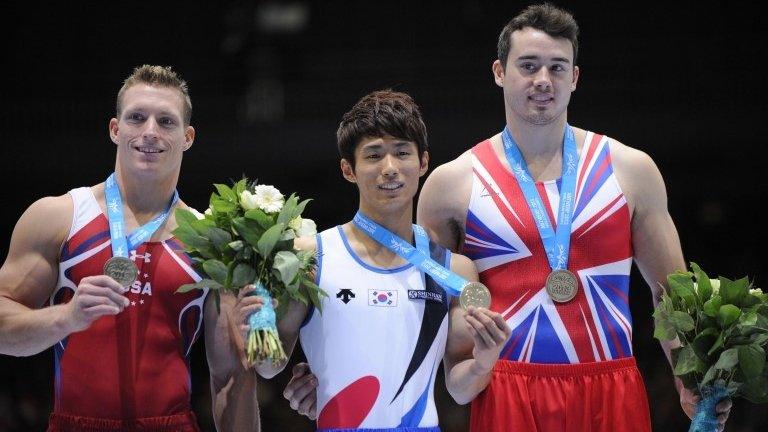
(478,369)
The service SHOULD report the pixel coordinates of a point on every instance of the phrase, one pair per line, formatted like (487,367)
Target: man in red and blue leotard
(122,352)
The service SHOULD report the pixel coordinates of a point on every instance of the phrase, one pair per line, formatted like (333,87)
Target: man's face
(150,133)
(387,172)
(539,76)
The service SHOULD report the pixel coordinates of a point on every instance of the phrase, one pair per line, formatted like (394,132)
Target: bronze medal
(122,270)
(475,294)
(562,285)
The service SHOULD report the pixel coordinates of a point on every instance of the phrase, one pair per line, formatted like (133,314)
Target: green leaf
(202,284)
(288,210)
(268,240)
(709,376)
(246,230)
(201,226)
(728,359)
(236,245)
(702,280)
(682,321)
(712,306)
(191,239)
(718,344)
(750,300)
(759,339)
(219,237)
(287,265)
(225,192)
(733,291)
(216,270)
(751,360)
(223,206)
(259,216)
(727,315)
(664,330)
(687,361)
(315,294)
(755,391)
(184,216)
(243,275)
(240,186)
(704,341)
(681,285)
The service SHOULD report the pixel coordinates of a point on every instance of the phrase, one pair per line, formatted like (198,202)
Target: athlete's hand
(490,332)
(245,305)
(95,297)
(689,400)
(301,391)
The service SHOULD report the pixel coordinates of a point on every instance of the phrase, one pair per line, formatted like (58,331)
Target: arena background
(269,80)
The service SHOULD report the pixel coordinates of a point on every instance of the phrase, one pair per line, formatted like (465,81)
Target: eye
(558,68)
(166,121)
(373,156)
(135,117)
(528,67)
(403,153)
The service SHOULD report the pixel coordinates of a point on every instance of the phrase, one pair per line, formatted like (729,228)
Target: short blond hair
(157,76)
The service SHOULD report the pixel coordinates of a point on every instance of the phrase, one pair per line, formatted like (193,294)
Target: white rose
(268,198)
(295,224)
(715,286)
(308,228)
(209,212)
(756,291)
(248,200)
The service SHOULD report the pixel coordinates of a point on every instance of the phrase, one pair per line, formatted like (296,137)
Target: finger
(245,312)
(722,418)
(480,330)
(304,391)
(93,295)
(97,311)
(106,282)
(312,414)
(491,326)
(724,406)
(246,291)
(294,384)
(499,321)
(306,404)
(300,369)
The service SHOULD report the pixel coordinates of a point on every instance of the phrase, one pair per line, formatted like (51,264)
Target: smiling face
(386,172)
(538,78)
(150,134)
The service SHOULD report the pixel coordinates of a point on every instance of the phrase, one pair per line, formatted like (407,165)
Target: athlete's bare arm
(28,278)
(655,241)
(443,202)
(475,339)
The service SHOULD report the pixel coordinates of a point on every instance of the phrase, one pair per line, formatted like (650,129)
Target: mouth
(148,150)
(390,186)
(541,98)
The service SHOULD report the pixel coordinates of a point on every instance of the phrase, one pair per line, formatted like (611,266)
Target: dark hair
(158,76)
(383,112)
(550,19)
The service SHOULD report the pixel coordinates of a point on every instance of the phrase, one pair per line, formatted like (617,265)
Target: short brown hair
(158,76)
(383,112)
(550,19)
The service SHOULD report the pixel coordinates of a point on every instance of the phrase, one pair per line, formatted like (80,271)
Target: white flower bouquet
(246,237)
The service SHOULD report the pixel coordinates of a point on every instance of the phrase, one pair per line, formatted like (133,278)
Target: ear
(498,73)
(113,128)
(347,171)
(189,137)
(424,162)
(575,77)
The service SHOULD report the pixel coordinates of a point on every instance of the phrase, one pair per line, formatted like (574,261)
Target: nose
(390,166)
(542,80)
(150,129)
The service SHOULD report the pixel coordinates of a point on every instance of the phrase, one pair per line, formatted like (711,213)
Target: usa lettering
(141,289)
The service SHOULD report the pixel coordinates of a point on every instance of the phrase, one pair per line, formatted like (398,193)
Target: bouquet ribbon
(705,419)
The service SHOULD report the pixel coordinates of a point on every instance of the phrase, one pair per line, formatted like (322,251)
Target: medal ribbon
(418,256)
(556,243)
(120,243)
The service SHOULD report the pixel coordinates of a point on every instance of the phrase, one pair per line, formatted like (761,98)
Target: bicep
(30,271)
(436,209)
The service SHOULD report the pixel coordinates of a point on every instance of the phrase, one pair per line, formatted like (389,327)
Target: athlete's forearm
(25,332)
(235,406)
(466,379)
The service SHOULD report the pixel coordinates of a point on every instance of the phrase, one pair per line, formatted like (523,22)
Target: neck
(145,197)
(398,222)
(537,141)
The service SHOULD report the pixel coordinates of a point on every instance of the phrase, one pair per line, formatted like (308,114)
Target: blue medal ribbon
(418,256)
(122,244)
(556,243)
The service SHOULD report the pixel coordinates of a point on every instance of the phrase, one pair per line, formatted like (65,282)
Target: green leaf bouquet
(722,327)
(246,237)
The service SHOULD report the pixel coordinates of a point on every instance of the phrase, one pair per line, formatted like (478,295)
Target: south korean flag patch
(382,298)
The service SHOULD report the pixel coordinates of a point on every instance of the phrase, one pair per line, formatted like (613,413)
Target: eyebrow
(398,144)
(535,57)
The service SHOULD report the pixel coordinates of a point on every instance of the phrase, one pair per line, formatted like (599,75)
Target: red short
(185,422)
(602,396)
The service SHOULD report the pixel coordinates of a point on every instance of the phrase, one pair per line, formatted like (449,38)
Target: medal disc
(562,285)
(122,270)
(475,294)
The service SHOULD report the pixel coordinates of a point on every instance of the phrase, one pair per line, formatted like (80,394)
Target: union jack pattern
(502,239)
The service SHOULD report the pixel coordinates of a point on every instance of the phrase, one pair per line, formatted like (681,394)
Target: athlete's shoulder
(463,266)
(306,243)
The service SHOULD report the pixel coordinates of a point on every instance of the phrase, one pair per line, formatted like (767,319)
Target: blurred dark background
(269,80)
